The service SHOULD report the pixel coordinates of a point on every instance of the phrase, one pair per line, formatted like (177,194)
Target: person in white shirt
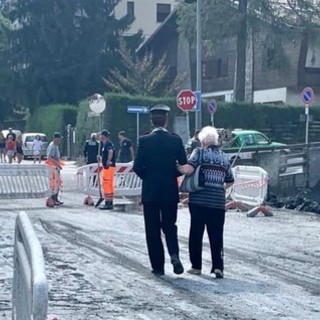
(36,147)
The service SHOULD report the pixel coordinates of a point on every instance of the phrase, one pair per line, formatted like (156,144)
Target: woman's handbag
(191,183)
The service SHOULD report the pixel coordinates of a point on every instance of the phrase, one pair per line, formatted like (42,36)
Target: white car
(27,143)
(16,132)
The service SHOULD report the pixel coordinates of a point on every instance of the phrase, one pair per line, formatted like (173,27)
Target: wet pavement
(97,265)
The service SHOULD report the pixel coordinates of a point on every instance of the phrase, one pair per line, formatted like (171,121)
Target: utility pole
(198,115)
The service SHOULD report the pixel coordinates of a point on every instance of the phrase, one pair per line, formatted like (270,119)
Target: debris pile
(300,202)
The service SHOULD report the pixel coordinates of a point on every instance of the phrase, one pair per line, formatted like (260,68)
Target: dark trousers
(157,217)
(213,219)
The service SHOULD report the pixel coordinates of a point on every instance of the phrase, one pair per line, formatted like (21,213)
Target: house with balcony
(276,72)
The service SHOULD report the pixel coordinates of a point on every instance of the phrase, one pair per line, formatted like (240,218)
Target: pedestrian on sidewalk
(10,148)
(54,161)
(19,151)
(155,163)
(36,148)
(2,148)
(207,206)
(109,167)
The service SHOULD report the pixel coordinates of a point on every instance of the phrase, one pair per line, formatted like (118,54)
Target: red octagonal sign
(186,100)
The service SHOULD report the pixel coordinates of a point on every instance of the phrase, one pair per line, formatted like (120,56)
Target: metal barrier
(30,289)
(126,182)
(249,190)
(19,181)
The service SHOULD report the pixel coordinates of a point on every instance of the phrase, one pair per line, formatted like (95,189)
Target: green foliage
(5,72)
(61,49)
(281,123)
(141,75)
(51,118)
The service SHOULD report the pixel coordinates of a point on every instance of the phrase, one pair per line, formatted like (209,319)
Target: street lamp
(198,115)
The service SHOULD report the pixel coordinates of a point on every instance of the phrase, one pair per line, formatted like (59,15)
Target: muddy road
(98,268)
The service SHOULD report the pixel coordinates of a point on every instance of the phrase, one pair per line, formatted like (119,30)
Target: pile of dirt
(300,202)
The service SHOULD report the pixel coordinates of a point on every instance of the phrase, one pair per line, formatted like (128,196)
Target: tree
(221,18)
(5,72)
(141,75)
(61,49)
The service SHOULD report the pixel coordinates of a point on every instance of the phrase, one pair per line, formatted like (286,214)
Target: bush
(51,118)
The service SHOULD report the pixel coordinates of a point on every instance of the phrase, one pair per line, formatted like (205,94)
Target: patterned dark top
(217,171)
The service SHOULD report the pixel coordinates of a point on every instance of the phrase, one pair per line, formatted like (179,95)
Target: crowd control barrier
(250,190)
(18,181)
(127,185)
(30,289)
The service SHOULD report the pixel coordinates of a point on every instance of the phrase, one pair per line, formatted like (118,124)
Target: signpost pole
(212,119)
(138,126)
(188,124)
(307,123)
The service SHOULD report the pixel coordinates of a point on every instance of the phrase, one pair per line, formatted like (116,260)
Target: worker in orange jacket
(109,166)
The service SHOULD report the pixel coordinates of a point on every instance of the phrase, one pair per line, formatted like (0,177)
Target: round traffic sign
(186,100)
(97,103)
(212,106)
(307,95)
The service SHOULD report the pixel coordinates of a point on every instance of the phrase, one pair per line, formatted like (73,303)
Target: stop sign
(186,100)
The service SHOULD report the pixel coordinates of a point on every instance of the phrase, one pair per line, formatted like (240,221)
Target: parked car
(27,143)
(17,132)
(253,140)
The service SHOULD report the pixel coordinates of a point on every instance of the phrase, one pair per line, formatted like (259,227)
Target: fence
(249,190)
(19,181)
(30,289)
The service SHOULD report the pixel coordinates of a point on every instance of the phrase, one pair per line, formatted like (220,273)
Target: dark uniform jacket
(90,152)
(155,163)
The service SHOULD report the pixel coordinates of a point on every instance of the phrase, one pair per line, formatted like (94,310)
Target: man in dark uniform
(155,163)
(91,149)
(125,153)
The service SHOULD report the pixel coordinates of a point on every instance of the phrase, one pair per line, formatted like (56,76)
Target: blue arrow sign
(137,109)
(212,106)
(307,95)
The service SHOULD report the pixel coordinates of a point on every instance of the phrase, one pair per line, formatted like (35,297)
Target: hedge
(281,123)
(51,118)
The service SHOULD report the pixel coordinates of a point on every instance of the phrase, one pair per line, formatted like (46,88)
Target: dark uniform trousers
(213,219)
(157,217)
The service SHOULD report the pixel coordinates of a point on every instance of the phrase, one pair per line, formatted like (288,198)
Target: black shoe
(158,273)
(177,265)
(106,206)
(57,203)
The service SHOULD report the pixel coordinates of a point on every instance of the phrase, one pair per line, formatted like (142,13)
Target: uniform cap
(160,107)
(57,135)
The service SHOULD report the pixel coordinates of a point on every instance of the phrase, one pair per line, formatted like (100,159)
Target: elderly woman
(207,206)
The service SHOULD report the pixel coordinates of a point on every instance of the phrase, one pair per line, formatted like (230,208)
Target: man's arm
(139,164)
(132,153)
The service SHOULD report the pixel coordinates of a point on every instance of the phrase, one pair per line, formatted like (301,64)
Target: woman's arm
(186,169)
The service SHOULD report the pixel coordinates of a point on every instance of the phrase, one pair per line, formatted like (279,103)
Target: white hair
(209,136)
(93,135)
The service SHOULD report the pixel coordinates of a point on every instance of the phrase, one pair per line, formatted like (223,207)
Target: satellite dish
(97,103)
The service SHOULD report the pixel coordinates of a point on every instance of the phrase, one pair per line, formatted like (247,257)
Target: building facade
(275,73)
(148,14)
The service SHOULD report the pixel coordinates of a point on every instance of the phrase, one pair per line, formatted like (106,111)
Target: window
(261,139)
(130,8)
(222,67)
(163,10)
(216,68)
